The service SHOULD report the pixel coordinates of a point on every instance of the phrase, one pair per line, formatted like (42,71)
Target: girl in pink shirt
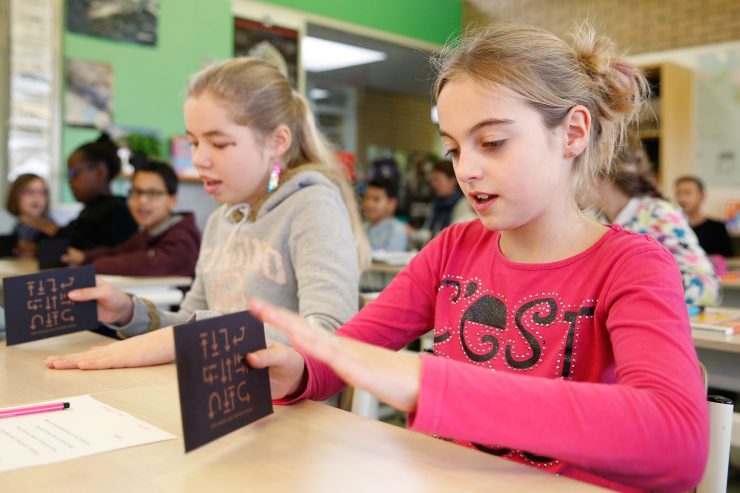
(558,342)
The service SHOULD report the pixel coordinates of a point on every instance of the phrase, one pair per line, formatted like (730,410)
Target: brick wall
(638,26)
(395,121)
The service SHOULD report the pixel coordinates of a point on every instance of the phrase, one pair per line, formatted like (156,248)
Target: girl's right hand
(114,306)
(154,348)
(286,365)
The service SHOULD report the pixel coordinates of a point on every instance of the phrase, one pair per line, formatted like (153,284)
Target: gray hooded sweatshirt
(299,253)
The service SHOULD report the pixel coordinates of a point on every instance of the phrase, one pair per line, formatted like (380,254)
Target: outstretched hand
(154,348)
(392,377)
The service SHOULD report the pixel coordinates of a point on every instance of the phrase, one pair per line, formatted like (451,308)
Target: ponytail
(260,97)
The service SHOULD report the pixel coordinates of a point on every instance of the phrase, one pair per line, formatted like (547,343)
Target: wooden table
(730,292)
(308,447)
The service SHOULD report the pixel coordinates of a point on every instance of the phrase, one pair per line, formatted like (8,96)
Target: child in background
(28,200)
(449,205)
(558,342)
(630,198)
(385,232)
(712,234)
(285,205)
(105,219)
(166,244)
(379,204)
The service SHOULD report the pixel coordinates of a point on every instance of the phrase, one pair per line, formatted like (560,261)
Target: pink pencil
(41,408)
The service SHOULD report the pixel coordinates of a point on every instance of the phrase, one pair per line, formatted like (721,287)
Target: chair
(714,479)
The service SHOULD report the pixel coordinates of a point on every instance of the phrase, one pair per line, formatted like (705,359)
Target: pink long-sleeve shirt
(583,367)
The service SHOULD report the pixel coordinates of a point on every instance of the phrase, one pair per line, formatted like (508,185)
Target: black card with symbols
(219,392)
(37,305)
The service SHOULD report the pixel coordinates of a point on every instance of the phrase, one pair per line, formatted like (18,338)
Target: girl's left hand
(392,377)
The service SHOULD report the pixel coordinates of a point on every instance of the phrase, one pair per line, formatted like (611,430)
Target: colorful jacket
(666,223)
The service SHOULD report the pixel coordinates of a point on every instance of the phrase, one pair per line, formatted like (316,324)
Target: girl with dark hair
(105,219)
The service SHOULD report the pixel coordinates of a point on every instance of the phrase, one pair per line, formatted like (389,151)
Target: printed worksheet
(87,427)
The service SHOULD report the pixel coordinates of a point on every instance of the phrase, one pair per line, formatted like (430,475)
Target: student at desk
(712,234)
(260,154)
(630,198)
(28,200)
(166,244)
(558,342)
(105,219)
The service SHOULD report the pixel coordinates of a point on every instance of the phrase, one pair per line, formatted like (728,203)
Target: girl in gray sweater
(285,207)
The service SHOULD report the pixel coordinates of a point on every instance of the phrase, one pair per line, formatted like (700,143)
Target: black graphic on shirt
(488,311)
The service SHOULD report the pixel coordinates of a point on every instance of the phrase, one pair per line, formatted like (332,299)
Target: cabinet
(666,126)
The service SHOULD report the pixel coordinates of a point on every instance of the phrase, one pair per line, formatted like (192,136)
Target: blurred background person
(712,234)
(28,200)
(167,242)
(630,198)
(379,204)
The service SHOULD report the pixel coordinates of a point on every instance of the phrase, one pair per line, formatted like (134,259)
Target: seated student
(166,244)
(259,153)
(379,203)
(105,220)
(558,342)
(28,200)
(630,198)
(712,234)
(450,206)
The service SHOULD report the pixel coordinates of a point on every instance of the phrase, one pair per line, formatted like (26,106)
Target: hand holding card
(219,392)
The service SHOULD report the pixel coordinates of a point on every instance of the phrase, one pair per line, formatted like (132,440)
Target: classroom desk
(308,447)
(730,293)
(161,290)
(720,354)
(733,263)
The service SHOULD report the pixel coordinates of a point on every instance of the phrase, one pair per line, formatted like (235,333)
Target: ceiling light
(320,55)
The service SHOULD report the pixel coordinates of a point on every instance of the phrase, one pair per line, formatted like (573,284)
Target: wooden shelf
(650,133)
(666,125)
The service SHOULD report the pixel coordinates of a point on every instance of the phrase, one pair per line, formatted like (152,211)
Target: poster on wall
(275,44)
(130,21)
(88,100)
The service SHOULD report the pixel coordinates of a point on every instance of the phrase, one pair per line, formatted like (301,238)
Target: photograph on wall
(88,100)
(275,44)
(130,21)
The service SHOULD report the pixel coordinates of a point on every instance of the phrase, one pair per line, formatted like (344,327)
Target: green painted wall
(150,81)
(428,20)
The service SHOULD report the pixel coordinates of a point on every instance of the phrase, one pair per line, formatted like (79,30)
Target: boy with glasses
(167,243)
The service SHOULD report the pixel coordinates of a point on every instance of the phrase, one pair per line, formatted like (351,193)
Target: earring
(274,176)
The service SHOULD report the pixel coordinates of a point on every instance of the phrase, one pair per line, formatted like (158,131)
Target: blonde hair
(260,97)
(553,78)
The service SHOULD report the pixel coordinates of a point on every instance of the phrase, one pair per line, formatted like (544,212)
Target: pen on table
(40,408)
